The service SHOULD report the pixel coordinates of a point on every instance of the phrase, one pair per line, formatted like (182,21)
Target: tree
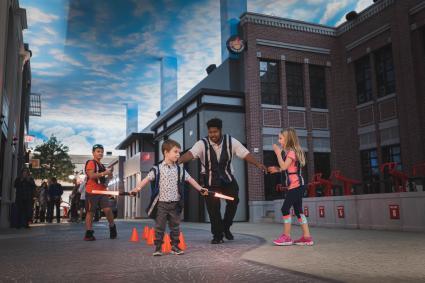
(54,160)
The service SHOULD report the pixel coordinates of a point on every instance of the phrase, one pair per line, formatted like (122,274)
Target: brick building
(354,92)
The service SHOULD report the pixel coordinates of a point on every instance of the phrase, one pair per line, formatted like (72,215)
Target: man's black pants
(56,202)
(219,224)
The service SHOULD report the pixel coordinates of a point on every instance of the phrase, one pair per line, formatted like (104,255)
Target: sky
(92,57)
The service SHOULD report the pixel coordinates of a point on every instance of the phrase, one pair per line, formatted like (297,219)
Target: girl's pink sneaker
(283,240)
(304,241)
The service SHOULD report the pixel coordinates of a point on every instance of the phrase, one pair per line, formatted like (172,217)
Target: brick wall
(343,118)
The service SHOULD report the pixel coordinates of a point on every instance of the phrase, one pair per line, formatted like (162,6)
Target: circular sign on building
(235,44)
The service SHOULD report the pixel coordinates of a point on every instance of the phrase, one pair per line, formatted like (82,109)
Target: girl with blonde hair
(291,158)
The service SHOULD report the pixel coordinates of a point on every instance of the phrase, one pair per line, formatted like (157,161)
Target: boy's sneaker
(176,251)
(304,241)
(158,251)
(216,241)
(283,240)
(89,236)
(113,232)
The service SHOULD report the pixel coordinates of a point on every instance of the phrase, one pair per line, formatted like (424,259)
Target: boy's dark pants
(167,211)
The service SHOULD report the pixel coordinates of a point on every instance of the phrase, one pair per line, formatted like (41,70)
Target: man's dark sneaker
(158,251)
(215,241)
(176,251)
(113,232)
(228,235)
(89,236)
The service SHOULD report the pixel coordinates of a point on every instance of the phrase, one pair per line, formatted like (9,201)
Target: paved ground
(56,253)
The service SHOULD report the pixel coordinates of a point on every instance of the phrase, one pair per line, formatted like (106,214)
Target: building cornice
(369,12)
(286,23)
(364,15)
(417,8)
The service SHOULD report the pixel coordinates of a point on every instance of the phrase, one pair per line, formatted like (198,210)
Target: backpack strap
(156,172)
(207,159)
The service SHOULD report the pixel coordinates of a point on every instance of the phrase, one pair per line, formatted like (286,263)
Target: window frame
(270,89)
(363,78)
(295,84)
(318,95)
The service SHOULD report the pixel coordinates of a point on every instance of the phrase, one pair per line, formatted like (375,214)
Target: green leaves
(54,160)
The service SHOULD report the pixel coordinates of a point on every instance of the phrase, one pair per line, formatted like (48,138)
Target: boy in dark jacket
(167,195)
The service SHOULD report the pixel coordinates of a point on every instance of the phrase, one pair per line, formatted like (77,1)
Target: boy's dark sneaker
(158,251)
(113,232)
(228,235)
(176,251)
(89,236)
(215,241)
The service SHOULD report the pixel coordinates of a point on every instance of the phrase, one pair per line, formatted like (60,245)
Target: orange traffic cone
(134,236)
(166,245)
(182,244)
(151,237)
(145,233)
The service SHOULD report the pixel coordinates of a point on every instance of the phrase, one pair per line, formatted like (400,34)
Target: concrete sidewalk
(341,254)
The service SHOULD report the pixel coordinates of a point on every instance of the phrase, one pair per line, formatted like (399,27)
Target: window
(294,84)
(272,182)
(322,164)
(317,86)
(269,78)
(369,163)
(391,153)
(384,68)
(178,137)
(363,80)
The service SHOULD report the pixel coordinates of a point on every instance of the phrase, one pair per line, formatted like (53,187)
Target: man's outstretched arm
(188,156)
(251,159)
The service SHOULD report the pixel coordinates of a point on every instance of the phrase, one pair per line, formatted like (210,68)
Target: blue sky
(92,57)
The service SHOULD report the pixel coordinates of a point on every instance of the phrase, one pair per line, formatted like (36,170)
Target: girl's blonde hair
(292,143)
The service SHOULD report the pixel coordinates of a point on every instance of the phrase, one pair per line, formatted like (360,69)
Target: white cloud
(332,8)
(62,57)
(42,65)
(363,4)
(50,31)
(109,127)
(198,43)
(35,15)
(99,59)
(276,8)
(50,73)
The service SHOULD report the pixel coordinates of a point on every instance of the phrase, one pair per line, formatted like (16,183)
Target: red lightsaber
(110,193)
(218,195)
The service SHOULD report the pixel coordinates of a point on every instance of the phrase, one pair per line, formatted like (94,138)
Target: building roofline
(367,13)
(188,98)
(130,138)
(298,25)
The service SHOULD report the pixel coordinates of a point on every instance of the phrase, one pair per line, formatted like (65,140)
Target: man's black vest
(218,173)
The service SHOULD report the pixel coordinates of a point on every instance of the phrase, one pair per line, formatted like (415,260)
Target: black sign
(235,44)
